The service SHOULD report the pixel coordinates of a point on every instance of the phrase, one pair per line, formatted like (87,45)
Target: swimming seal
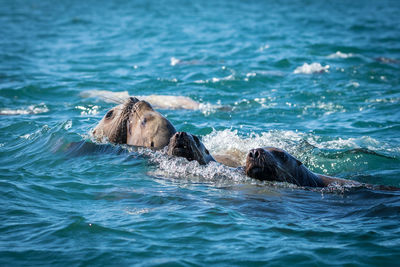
(136,123)
(183,144)
(274,164)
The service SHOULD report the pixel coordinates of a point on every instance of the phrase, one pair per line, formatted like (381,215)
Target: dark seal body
(186,145)
(274,164)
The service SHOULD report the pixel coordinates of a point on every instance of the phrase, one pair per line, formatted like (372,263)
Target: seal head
(183,144)
(147,127)
(113,124)
(135,123)
(274,164)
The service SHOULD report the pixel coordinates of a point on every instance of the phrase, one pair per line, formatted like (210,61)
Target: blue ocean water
(320,79)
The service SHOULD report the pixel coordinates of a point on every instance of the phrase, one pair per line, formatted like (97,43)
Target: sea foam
(339,54)
(33,109)
(311,68)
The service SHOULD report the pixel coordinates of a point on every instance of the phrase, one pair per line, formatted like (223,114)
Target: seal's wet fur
(135,122)
(183,144)
(274,164)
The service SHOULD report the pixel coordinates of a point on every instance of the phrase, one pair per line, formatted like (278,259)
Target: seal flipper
(226,160)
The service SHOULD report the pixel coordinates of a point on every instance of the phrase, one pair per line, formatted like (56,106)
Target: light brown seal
(136,123)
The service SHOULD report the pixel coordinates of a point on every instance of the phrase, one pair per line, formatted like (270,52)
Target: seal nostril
(256,154)
(251,154)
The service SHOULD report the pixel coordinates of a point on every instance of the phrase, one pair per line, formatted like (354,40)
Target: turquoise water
(244,62)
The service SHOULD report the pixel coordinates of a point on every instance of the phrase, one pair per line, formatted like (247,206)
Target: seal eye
(109,114)
(208,153)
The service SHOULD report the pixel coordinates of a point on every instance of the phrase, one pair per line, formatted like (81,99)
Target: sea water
(320,79)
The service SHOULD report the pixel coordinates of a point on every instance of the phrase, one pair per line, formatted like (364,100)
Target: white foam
(174,61)
(68,125)
(173,80)
(178,167)
(391,100)
(230,77)
(328,107)
(263,47)
(263,73)
(38,132)
(218,174)
(231,143)
(354,143)
(33,109)
(89,110)
(311,68)
(135,211)
(353,84)
(339,54)
(208,109)
(251,74)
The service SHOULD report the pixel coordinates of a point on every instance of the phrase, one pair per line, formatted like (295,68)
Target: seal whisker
(120,126)
(114,99)
(276,164)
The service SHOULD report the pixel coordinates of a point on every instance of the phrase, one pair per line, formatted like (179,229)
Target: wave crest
(311,68)
(33,109)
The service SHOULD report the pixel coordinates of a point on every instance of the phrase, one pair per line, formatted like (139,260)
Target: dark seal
(274,164)
(186,145)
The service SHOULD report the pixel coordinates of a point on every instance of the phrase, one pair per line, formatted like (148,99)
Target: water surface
(250,65)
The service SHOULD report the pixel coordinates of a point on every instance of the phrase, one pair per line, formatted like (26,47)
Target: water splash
(178,167)
(339,54)
(174,61)
(89,110)
(311,68)
(33,109)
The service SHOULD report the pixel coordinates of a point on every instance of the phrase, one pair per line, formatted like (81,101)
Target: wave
(230,77)
(90,110)
(177,167)
(339,54)
(246,77)
(311,68)
(174,61)
(364,142)
(230,142)
(33,109)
